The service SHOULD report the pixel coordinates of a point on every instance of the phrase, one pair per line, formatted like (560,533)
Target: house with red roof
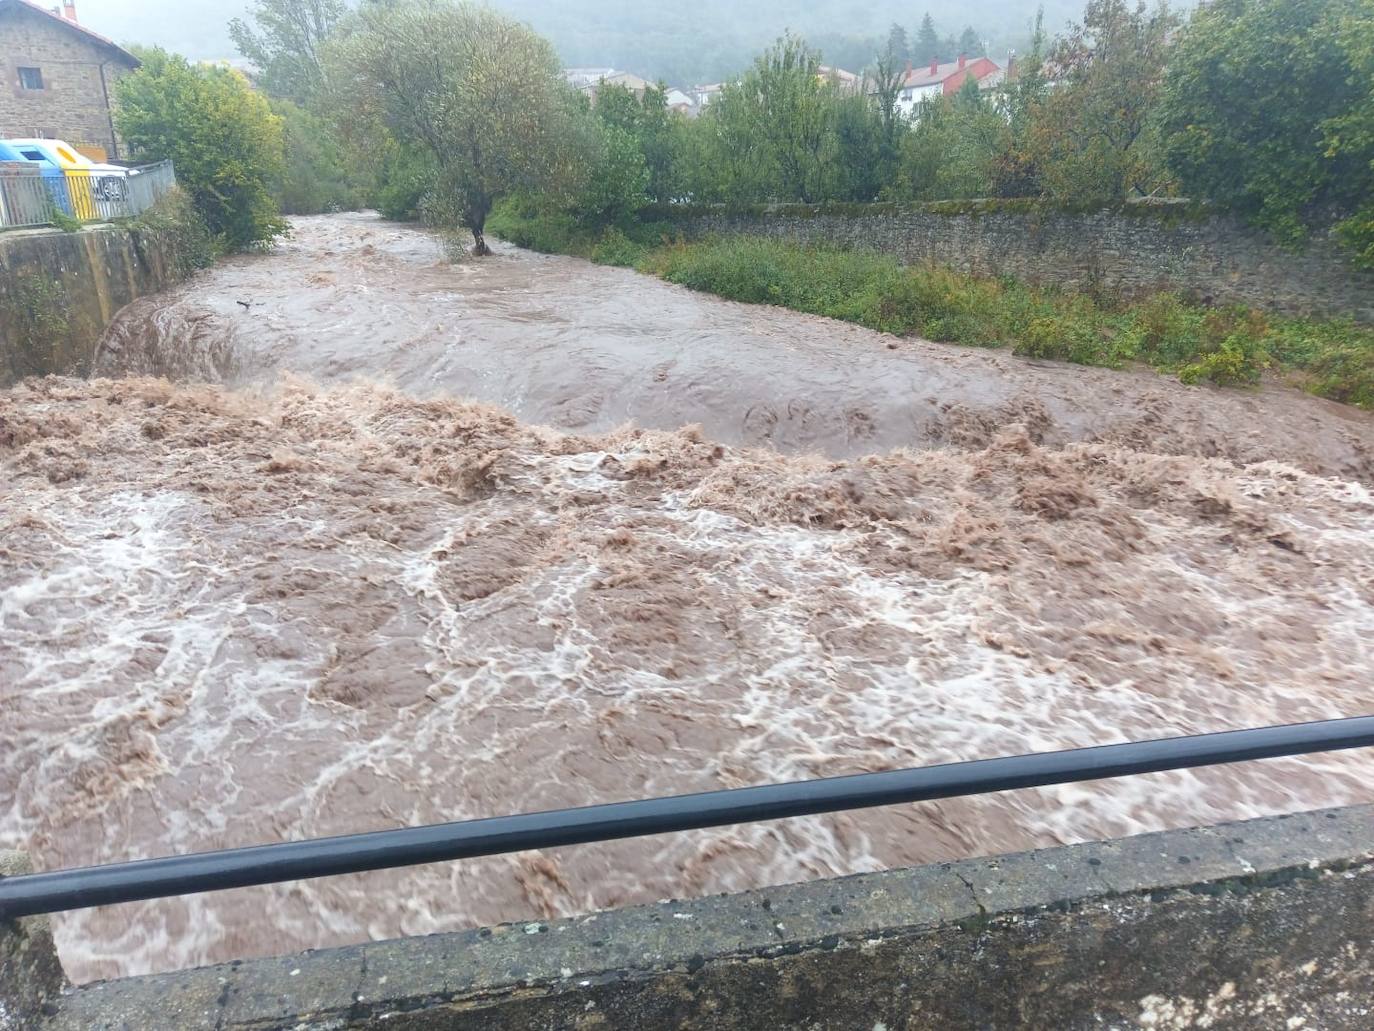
(944,79)
(59,77)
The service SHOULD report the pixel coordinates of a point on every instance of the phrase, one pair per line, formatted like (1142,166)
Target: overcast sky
(669,38)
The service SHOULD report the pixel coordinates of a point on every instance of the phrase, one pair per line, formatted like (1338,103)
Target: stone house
(59,77)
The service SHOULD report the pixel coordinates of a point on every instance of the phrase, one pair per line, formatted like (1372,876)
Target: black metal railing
(354,853)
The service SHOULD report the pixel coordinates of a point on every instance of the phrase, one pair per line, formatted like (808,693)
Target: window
(30,78)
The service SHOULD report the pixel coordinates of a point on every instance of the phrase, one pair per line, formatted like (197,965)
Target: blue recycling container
(53,177)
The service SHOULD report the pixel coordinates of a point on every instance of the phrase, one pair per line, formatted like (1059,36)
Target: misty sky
(681,40)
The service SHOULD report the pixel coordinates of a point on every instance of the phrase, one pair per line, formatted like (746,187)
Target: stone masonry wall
(1132,251)
(72,104)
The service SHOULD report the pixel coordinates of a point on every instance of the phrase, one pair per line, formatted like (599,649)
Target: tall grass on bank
(1229,346)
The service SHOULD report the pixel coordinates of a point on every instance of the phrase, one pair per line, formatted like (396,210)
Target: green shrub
(62,220)
(405,179)
(1231,346)
(220,132)
(1170,330)
(1334,359)
(1237,361)
(522,222)
(615,248)
(183,240)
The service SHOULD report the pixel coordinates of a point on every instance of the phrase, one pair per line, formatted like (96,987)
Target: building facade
(59,78)
(944,79)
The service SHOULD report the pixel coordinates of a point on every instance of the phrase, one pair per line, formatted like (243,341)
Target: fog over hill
(679,42)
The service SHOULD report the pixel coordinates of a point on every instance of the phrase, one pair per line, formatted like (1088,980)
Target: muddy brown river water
(386,550)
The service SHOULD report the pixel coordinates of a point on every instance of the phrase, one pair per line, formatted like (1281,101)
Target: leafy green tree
(318,174)
(1022,99)
(970,44)
(857,157)
(404,178)
(479,91)
(1269,111)
(222,136)
(952,149)
(884,82)
(618,180)
(928,45)
(285,42)
(777,118)
(1093,137)
(1349,136)
(656,131)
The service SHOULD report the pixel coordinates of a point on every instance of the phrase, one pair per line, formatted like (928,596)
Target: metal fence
(32,197)
(59,890)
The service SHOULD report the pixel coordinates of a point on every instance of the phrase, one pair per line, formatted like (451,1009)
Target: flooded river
(387,550)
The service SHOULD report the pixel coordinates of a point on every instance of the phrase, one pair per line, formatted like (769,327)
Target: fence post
(30,973)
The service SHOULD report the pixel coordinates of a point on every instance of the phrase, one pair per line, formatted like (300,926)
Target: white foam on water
(257,619)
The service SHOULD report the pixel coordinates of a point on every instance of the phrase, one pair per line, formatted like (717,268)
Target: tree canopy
(221,134)
(1269,110)
(285,41)
(480,92)
(1092,137)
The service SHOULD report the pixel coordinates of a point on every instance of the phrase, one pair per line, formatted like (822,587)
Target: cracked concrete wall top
(1259,924)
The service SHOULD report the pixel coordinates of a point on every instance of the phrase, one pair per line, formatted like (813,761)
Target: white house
(944,79)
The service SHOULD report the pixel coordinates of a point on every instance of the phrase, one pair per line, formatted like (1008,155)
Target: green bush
(184,241)
(405,179)
(525,223)
(222,135)
(1336,358)
(615,248)
(317,175)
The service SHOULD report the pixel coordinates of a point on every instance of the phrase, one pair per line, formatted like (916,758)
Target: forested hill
(680,42)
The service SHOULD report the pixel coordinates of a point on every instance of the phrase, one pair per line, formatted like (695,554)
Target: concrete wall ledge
(1260,924)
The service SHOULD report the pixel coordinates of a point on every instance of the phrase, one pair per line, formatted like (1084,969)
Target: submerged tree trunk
(476,217)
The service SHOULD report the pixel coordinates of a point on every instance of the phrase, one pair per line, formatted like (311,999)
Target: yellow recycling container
(77,168)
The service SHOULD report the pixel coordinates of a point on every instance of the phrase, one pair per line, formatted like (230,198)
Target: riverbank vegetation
(221,134)
(439,108)
(1132,102)
(1232,346)
(173,230)
(459,115)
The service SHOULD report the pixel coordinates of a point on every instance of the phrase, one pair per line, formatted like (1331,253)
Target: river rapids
(347,537)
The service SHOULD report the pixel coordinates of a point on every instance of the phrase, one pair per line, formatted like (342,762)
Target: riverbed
(353,537)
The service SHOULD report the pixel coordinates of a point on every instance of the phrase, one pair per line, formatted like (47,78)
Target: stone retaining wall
(1134,250)
(1265,924)
(75,282)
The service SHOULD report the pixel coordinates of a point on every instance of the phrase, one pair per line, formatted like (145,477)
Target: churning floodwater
(399,541)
